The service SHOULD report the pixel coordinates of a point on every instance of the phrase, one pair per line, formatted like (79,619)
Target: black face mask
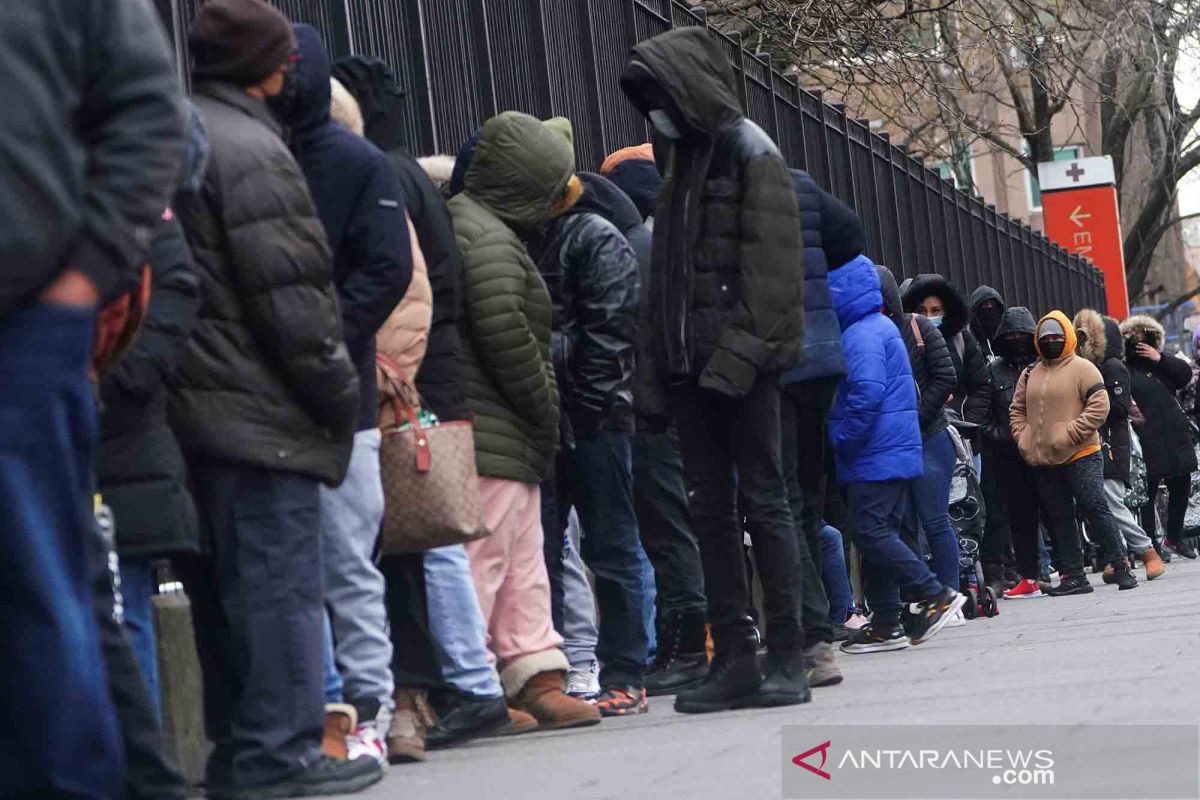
(1015,348)
(1052,350)
(989,319)
(286,105)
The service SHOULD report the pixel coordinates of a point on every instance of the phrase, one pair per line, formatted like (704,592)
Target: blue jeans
(137,595)
(931,500)
(457,623)
(333,679)
(889,565)
(63,739)
(835,576)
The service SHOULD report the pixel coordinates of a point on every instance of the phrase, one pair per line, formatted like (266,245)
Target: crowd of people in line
(682,376)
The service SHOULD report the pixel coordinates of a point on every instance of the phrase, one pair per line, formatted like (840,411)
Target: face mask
(1052,350)
(662,123)
(937,321)
(989,318)
(285,104)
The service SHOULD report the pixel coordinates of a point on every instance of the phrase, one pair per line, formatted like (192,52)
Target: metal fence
(460,61)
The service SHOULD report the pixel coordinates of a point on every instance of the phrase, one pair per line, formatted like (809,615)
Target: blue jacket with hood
(873,426)
(361,205)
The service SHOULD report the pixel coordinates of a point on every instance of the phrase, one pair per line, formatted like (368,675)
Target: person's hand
(1146,351)
(71,288)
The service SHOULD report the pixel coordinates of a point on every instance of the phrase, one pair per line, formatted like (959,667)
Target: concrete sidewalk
(1101,658)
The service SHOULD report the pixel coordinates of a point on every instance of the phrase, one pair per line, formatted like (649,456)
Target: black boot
(786,682)
(1122,576)
(463,718)
(682,659)
(325,776)
(733,682)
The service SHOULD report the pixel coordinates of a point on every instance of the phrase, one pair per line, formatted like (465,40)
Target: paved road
(1128,658)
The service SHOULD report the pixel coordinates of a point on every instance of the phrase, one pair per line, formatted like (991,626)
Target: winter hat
(458,178)
(642,152)
(639,179)
(240,41)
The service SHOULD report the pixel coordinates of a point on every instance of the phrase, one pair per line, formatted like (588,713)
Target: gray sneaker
(820,663)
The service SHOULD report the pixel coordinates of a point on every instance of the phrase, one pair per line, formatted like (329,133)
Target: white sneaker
(584,681)
(366,742)
(956,621)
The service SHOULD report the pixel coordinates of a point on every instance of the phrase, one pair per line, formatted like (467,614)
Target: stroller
(967,516)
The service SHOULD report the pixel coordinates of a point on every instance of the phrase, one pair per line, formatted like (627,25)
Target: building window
(947,172)
(1032,190)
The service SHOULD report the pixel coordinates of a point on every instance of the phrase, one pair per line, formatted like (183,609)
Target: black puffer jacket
(381,101)
(267,379)
(592,275)
(141,469)
(1004,372)
(970,364)
(728,260)
(927,353)
(1166,436)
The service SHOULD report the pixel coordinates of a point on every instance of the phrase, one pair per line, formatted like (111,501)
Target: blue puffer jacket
(832,235)
(873,427)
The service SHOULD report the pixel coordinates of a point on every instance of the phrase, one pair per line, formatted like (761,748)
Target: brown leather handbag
(430,486)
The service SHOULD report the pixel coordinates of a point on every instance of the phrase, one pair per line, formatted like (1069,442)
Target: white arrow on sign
(1078,218)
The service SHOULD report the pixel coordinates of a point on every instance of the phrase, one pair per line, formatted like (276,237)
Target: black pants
(997,535)
(1079,484)
(1017,484)
(149,772)
(804,418)
(1178,489)
(731,447)
(415,656)
(257,610)
(664,522)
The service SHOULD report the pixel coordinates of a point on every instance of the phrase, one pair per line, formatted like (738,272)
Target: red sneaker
(1024,588)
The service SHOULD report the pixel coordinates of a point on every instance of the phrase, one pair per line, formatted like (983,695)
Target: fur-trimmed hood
(439,169)
(922,286)
(1145,326)
(1094,344)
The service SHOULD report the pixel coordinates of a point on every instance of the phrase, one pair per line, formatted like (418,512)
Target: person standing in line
(727,314)
(1165,435)
(362,210)
(660,497)
(265,407)
(1102,344)
(876,436)
(1057,410)
(90,145)
(592,275)
(515,173)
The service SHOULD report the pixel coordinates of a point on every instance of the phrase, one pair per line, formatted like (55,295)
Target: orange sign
(1086,221)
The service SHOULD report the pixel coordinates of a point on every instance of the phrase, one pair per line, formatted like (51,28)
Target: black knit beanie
(240,41)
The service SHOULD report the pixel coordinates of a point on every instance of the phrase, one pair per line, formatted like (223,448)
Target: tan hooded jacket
(1059,405)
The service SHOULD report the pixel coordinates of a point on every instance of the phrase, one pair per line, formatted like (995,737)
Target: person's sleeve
(978,401)
(174,305)
(494,289)
(770,311)
(1016,411)
(866,385)
(1095,406)
(606,310)
(380,254)
(131,122)
(941,377)
(285,281)
(1175,372)
(1117,382)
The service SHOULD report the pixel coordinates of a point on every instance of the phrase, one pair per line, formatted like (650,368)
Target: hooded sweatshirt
(980,329)
(361,205)
(727,289)
(1059,404)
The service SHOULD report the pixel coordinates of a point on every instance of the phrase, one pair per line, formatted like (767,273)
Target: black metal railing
(460,61)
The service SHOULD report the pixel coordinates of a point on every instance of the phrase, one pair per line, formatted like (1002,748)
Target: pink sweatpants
(509,571)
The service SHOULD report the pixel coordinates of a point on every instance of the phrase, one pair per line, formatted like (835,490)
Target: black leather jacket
(594,282)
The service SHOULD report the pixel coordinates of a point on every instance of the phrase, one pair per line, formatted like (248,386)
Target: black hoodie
(1004,373)
(727,289)
(932,368)
(979,328)
(971,393)
(592,275)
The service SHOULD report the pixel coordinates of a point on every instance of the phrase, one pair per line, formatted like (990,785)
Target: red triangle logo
(823,749)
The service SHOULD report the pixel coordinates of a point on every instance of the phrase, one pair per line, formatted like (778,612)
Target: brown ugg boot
(340,721)
(519,722)
(410,724)
(543,698)
(1154,564)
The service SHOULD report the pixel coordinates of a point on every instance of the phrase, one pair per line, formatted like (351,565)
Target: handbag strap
(404,407)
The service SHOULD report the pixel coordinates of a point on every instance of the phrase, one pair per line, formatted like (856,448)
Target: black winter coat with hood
(1103,346)
(727,289)
(381,102)
(1166,436)
(266,380)
(592,274)
(1004,372)
(361,206)
(927,353)
(984,329)
(971,392)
